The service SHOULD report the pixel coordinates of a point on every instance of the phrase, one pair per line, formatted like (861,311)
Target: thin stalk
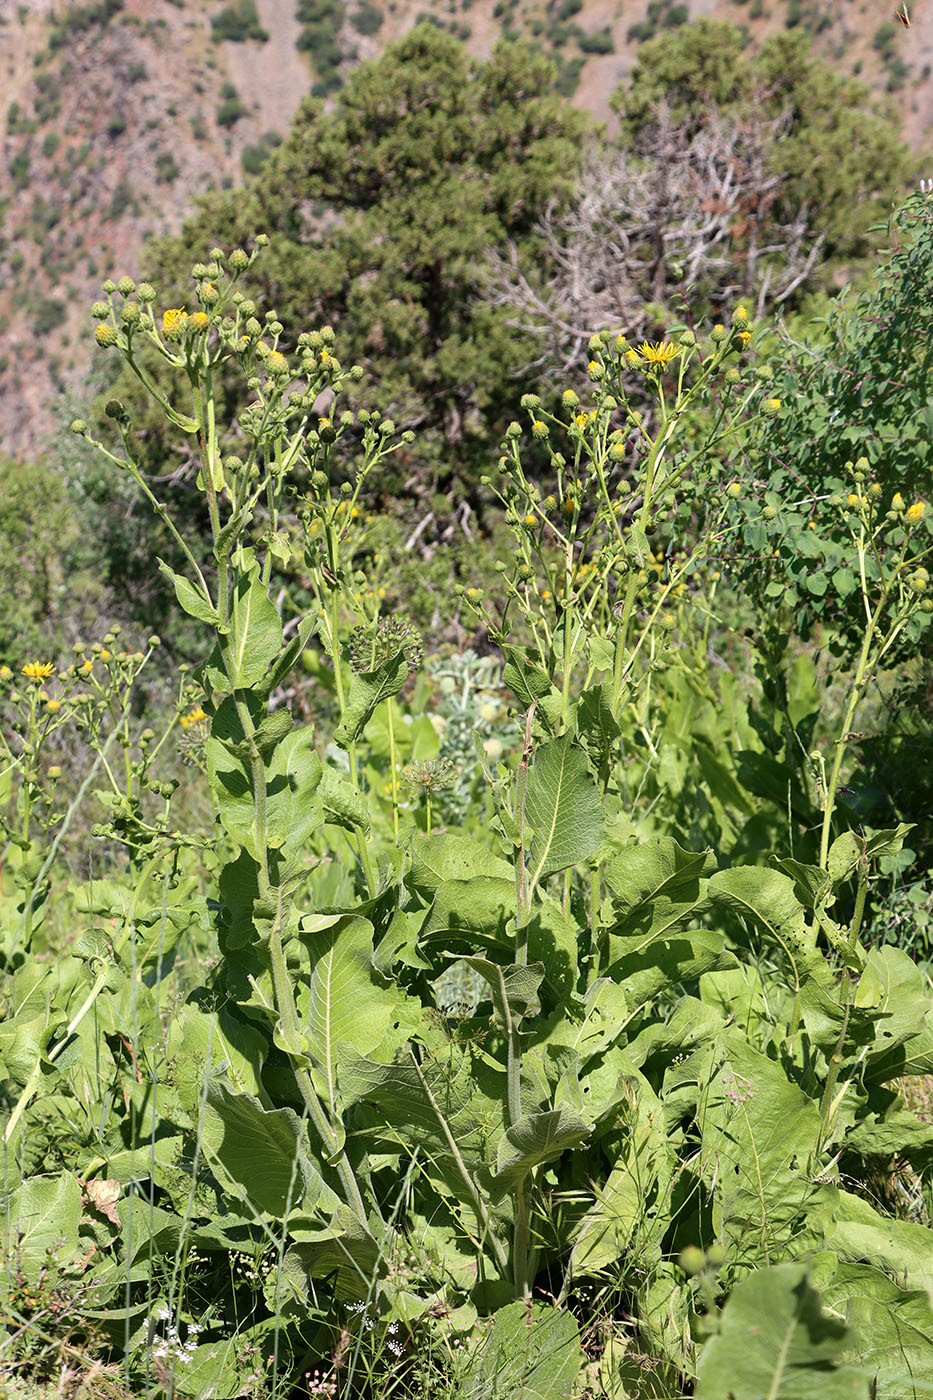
(394,770)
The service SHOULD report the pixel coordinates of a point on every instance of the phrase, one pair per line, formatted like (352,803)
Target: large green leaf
(349,1004)
(859,1234)
(536,1138)
(891,1331)
(759,1135)
(262,1153)
(437,859)
(532,1352)
(343,1251)
(478,909)
(768,900)
(632,1208)
(255,630)
(777,1343)
(293,807)
(449,1109)
(514,989)
(563,809)
(641,875)
(41,1219)
(646,965)
(367,690)
(201,1043)
(892,989)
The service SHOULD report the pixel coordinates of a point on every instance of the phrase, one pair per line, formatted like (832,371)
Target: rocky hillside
(120,111)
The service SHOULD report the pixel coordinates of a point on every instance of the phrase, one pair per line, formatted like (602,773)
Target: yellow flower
(744,337)
(581,420)
(199,320)
(194,716)
(531,518)
(658,353)
(173,321)
(633,359)
(5,673)
(87,667)
(53,706)
(38,670)
(917,511)
(897,501)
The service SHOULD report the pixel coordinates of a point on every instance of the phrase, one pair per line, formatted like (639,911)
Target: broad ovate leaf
(777,1342)
(562,809)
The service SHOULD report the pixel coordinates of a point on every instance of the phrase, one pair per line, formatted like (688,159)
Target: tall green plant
(664,1059)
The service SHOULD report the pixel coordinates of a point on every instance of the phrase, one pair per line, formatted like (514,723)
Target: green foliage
(837,137)
(232,108)
(367,19)
(238,22)
(40,537)
(78,19)
(431,1076)
(426,160)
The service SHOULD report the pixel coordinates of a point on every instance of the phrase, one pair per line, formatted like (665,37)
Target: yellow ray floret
(658,353)
(38,670)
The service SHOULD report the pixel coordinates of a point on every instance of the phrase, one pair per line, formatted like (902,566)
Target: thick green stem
(522,1231)
(291,1030)
(841,743)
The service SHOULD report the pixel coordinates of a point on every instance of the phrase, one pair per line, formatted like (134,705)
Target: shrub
(599,41)
(231,108)
(238,22)
(367,19)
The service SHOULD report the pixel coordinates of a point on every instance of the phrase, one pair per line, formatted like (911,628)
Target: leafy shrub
(367,19)
(231,108)
(238,22)
(254,157)
(167,168)
(598,41)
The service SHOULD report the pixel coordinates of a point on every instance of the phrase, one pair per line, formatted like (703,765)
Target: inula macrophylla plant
(657,1064)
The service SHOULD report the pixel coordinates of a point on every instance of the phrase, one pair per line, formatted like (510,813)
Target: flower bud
(692,1260)
(540,430)
(733,378)
(771,408)
(79,426)
(740,317)
(569,399)
(897,502)
(530,401)
(769,513)
(114,409)
(764,373)
(718,334)
(733,490)
(239,259)
(916,512)
(595,371)
(131,313)
(106,336)
(617,452)
(109,287)
(146,293)
(126,286)
(100,310)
